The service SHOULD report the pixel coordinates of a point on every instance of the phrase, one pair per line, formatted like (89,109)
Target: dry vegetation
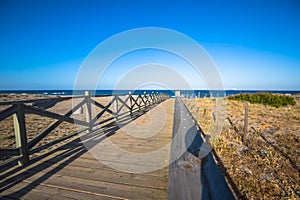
(265,165)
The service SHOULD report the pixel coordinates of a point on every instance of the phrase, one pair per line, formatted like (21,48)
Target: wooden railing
(18,109)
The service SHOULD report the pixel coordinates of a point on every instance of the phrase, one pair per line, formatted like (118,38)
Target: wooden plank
(185,181)
(135,102)
(147,98)
(103,175)
(8,162)
(245,135)
(130,102)
(139,100)
(40,192)
(88,113)
(33,110)
(106,154)
(115,104)
(125,157)
(72,172)
(92,163)
(7,112)
(35,191)
(191,177)
(9,152)
(106,109)
(20,134)
(52,126)
(143,100)
(137,159)
(90,186)
(101,106)
(6,198)
(124,103)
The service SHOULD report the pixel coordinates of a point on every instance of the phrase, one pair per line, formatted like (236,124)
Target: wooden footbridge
(122,151)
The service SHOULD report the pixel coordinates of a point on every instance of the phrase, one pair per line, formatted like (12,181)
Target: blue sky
(255,44)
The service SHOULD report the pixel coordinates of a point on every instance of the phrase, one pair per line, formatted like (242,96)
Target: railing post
(139,101)
(88,113)
(145,99)
(245,123)
(20,134)
(130,101)
(116,107)
(158,97)
(152,98)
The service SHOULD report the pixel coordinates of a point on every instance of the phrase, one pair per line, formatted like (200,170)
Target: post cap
(86,93)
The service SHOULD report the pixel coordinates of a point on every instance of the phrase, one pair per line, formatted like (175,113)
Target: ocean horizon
(189,93)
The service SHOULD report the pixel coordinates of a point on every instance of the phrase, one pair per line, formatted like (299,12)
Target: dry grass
(266,165)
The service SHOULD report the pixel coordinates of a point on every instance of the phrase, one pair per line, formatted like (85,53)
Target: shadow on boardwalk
(71,151)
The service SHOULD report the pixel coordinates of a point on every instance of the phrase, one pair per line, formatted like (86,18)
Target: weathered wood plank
(33,110)
(184,174)
(52,126)
(88,113)
(92,163)
(20,134)
(101,106)
(6,163)
(124,103)
(100,174)
(106,109)
(9,152)
(191,177)
(7,112)
(135,102)
(35,191)
(72,172)
(90,186)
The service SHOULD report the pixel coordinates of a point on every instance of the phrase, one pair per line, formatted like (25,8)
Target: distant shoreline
(190,93)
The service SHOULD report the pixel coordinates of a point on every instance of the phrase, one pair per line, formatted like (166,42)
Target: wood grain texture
(72,172)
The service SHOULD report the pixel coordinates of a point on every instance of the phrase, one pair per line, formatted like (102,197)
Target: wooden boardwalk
(112,169)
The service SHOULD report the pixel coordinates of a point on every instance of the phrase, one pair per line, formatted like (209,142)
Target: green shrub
(274,100)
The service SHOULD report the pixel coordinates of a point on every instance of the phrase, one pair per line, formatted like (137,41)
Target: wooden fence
(21,154)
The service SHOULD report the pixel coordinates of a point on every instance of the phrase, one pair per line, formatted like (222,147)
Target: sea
(171,93)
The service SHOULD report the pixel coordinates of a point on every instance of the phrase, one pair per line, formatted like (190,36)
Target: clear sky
(255,44)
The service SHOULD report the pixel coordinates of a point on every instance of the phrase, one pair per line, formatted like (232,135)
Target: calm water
(188,93)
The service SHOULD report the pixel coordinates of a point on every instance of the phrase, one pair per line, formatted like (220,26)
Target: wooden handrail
(37,111)
(52,126)
(8,112)
(21,107)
